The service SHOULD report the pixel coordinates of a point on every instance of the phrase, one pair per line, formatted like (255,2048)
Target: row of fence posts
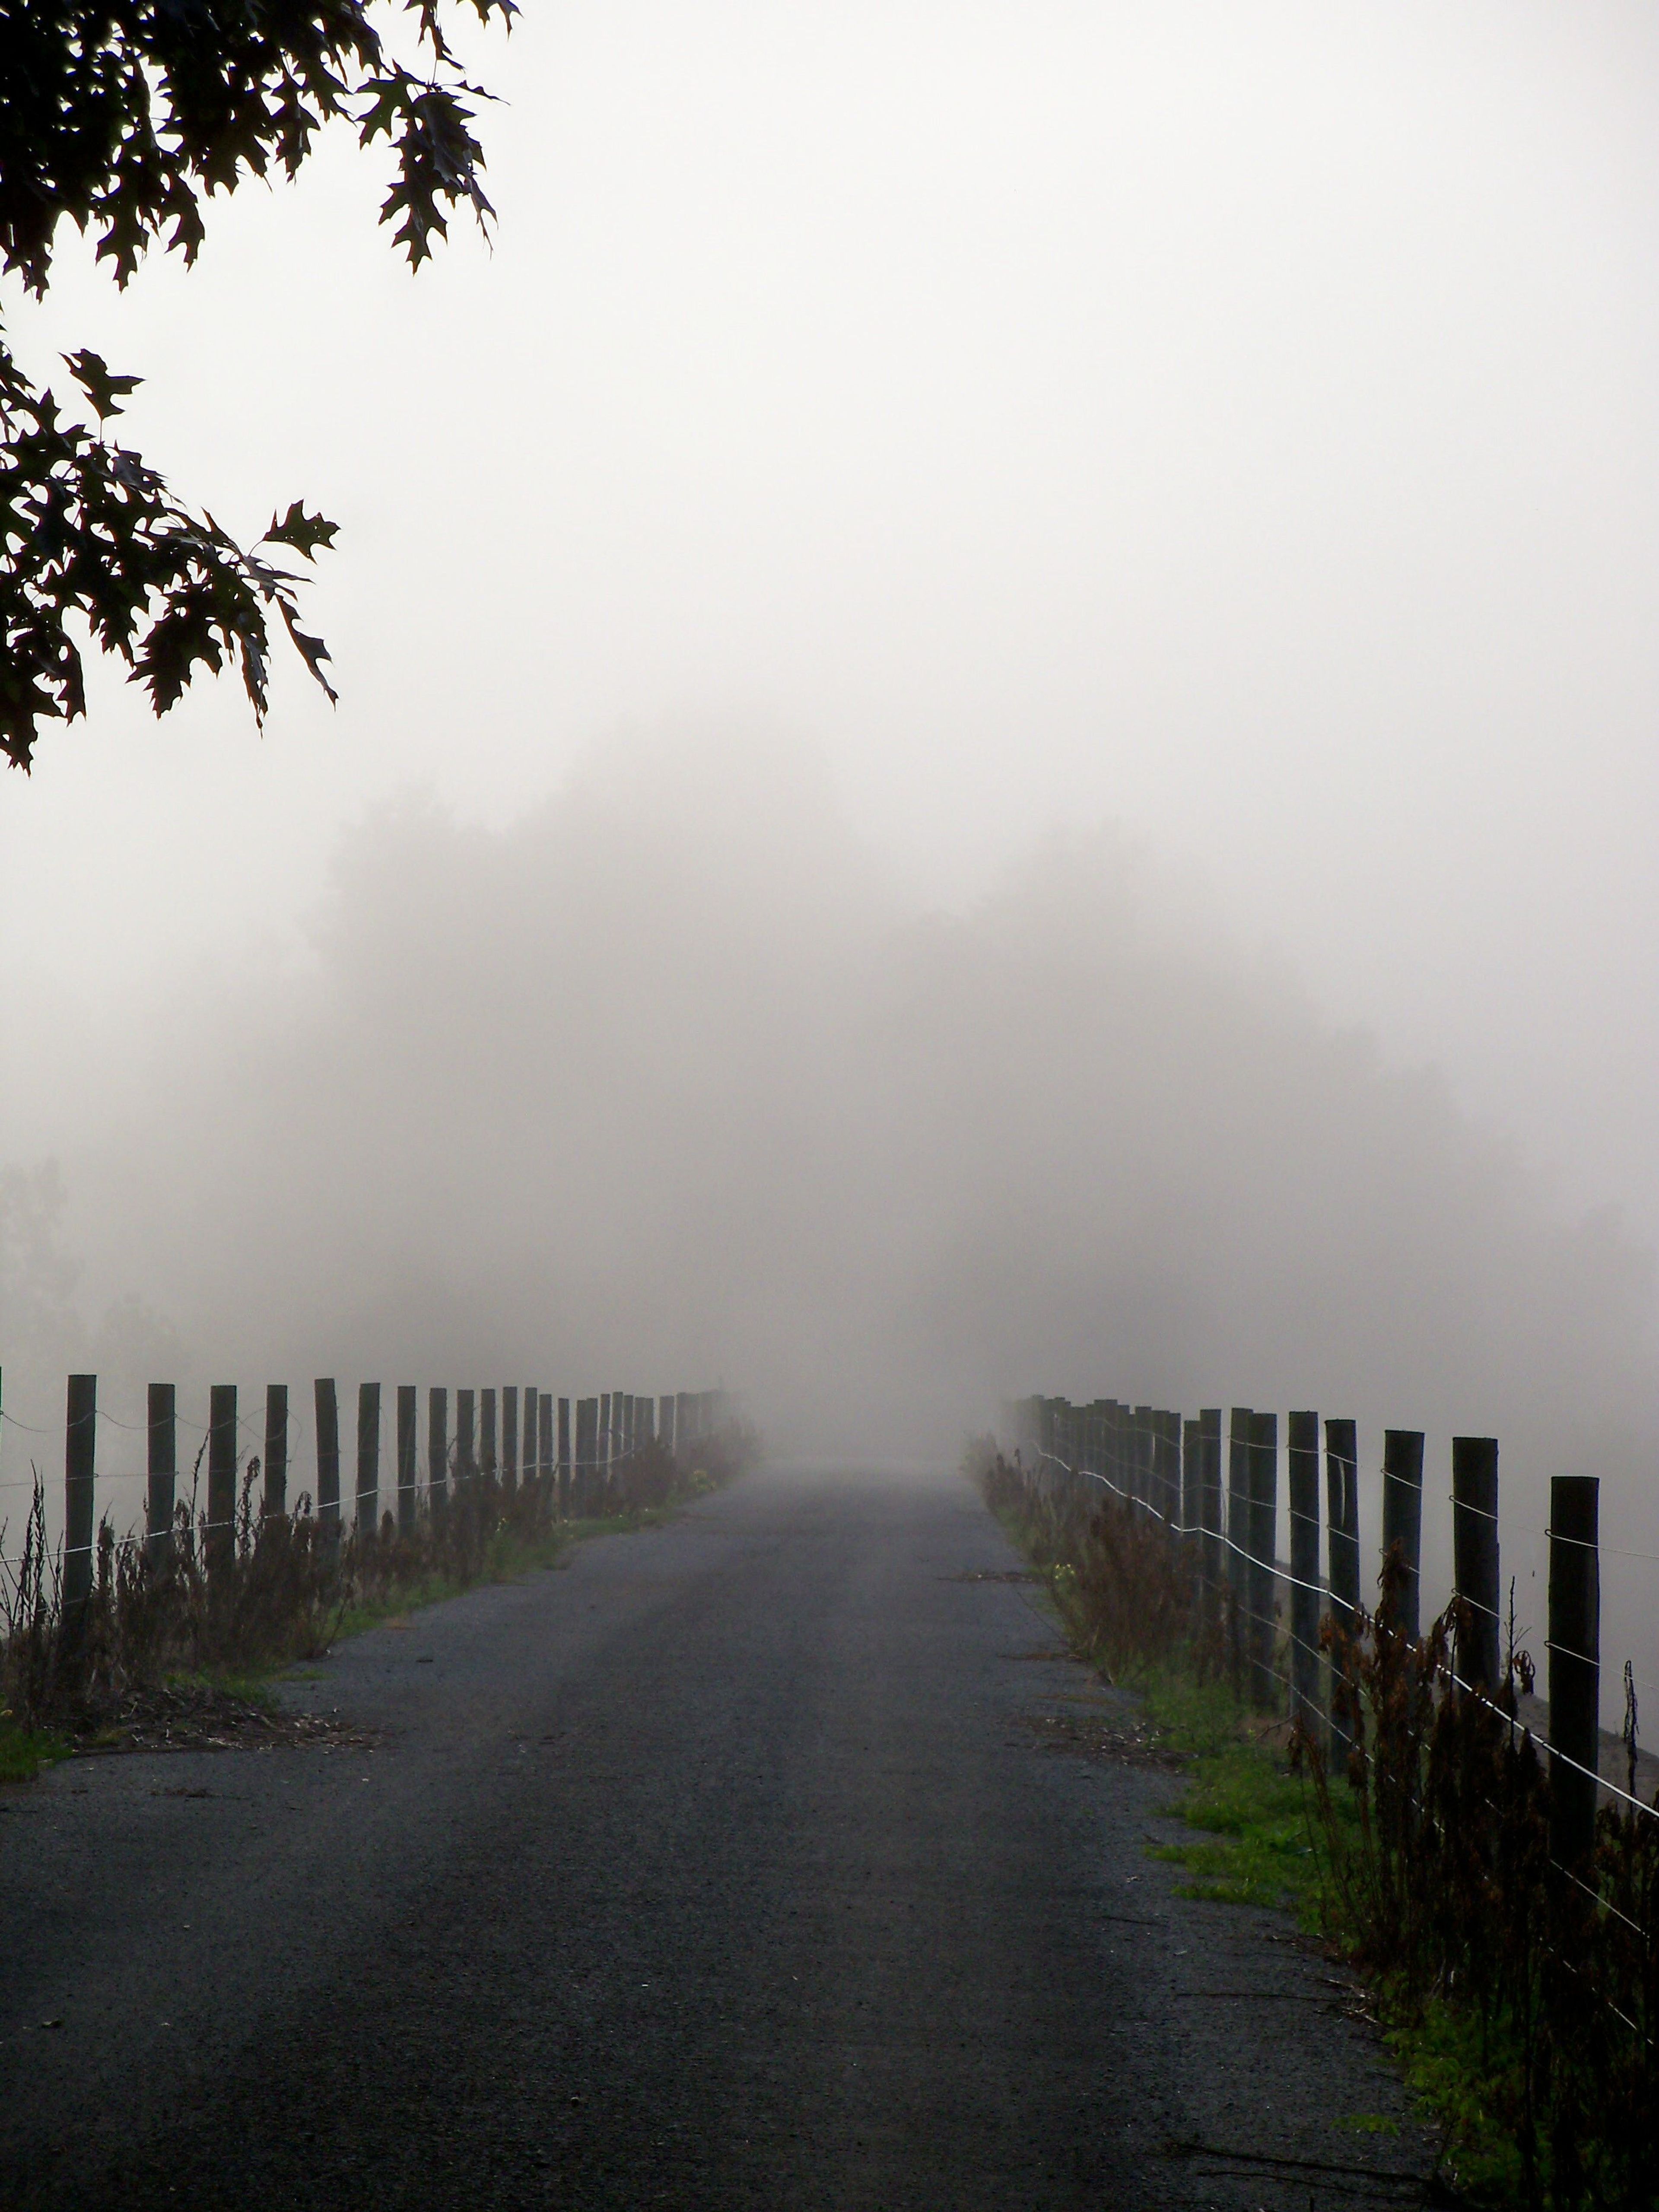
(490,1438)
(1173,1468)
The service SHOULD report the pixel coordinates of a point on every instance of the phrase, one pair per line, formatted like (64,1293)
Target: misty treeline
(675,1063)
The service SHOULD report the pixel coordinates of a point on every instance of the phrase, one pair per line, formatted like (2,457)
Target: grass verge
(1252,1839)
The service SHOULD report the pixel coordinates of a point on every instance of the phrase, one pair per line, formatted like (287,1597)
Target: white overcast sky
(1239,421)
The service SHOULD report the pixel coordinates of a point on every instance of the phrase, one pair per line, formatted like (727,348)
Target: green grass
(24,1752)
(1251,1843)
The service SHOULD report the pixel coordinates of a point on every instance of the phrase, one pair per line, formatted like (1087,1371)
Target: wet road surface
(722,1867)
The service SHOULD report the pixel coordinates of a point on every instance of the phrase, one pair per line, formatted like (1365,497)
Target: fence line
(1173,1471)
(613,1428)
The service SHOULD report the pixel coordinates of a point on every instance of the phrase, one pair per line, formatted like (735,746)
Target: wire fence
(576,1443)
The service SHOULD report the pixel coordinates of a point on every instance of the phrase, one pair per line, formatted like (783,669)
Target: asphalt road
(722,1867)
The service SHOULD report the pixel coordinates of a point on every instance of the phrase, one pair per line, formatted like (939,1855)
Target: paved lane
(718,1868)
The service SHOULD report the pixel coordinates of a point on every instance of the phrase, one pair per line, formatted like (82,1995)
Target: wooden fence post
(1209,1430)
(1475,1556)
(368,1458)
(1402,1517)
(665,1422)
(489,1462)
(587,1425)
(646,1423)
(1264,1537)
(163,1473)
(79,1482)
(532,1433)
(1238,1534)
(276,1449)
(222,1474)
(1140,1476)
(408,1460)
(1575,1671)
(544,1461)
(602,1455)
(510,1437)
(1192,1479)
(1342,1512)
(466,1448)
(1342,1507)
(1302,1466)
(328,1456)
(682,1438)
(437,1445)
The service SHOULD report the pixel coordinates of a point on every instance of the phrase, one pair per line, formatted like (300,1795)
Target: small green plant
(24,1752)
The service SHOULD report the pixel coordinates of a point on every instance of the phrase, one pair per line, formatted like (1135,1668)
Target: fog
(998,695)
(671,1079)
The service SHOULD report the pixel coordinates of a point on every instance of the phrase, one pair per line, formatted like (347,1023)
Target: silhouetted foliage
(122,116)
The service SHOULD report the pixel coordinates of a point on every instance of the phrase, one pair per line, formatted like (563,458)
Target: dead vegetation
(1524,1996)
(154,1656)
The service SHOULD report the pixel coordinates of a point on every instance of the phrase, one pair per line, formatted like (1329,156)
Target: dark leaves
(102,385)
(123,114)
(124,117)
(93,541)
(304,533)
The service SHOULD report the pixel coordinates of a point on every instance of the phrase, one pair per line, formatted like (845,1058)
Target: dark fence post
(1302,1466)
(532,1433)
(1238,1533)
(80,1481)
(328,1456)
(276,1449)
(602,1453)
(488,1461)
(564,1458)
(222,1474)
(1475,1556)
(163,1473)
(1342,1510)
(408,1460)
(437,1445)
(466,1448)
(587,1424)
(1209,1430)
(1575,1674)
(1402,1517)
(545,1458)
(510,1437)
(1142,1484)
(1264,1537)
(645,1431)
(368,1457)
(1342,1506)
(1191,1485)
(665,1422)
(683,1424)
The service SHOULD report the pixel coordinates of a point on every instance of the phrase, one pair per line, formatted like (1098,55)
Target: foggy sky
(1202,461)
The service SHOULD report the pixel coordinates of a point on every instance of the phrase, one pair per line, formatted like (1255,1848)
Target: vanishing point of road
(725,1866)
